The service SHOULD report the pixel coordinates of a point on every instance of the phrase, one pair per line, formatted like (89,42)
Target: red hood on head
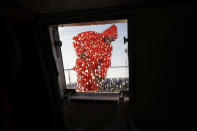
(111,32)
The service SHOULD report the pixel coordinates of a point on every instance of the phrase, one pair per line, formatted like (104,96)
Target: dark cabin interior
(158,34)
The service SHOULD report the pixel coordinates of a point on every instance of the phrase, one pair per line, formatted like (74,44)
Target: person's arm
(105,64)
(78,45)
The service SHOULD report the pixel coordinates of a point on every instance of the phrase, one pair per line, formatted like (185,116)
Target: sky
(119,57)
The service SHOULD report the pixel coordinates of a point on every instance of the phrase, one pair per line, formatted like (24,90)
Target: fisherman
(94,52)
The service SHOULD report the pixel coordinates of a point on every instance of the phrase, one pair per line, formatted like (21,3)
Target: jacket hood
(111,32)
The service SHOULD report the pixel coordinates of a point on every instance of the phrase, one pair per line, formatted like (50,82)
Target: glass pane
(95,56)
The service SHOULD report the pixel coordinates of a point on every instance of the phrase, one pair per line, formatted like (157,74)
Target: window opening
(95,56)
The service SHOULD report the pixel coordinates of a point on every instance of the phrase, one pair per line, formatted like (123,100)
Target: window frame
(99,16)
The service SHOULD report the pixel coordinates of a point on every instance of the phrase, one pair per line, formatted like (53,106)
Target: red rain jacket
(98,57)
